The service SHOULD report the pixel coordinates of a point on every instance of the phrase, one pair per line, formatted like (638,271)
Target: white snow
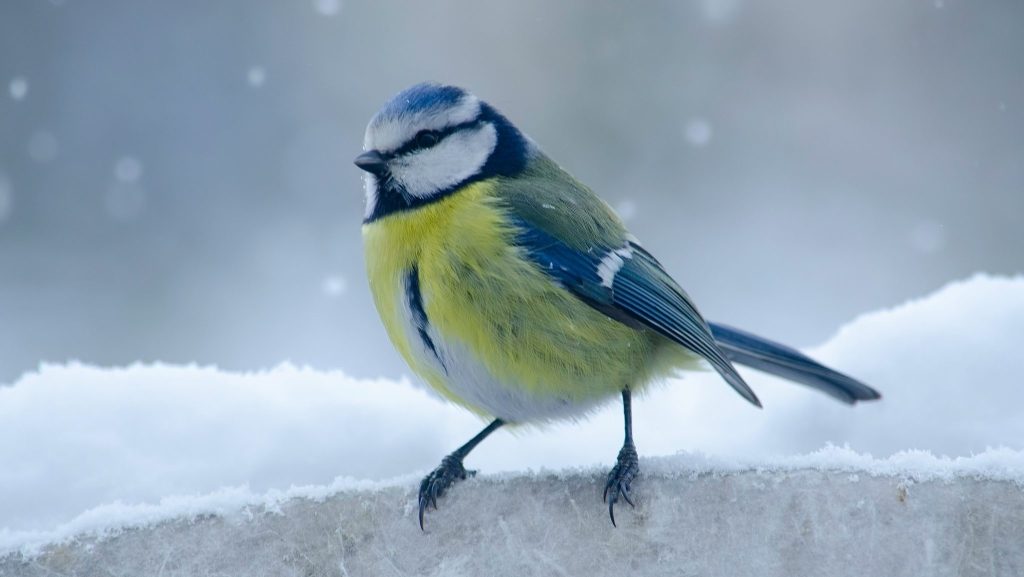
(327,7)
(6,197)
(18,87)
(997,464)
(334,286)
(241,503)
(128,169)
(256,76)
(230,502)
(698,132)
(75,437)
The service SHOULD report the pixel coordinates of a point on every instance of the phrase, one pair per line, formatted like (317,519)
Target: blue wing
(629,285)
(777,359)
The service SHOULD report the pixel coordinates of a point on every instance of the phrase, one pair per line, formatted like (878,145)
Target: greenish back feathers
(578,241)
(549,199)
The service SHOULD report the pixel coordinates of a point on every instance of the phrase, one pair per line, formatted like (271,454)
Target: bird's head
(429,141)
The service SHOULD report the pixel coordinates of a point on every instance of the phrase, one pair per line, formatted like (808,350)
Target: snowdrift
(116,443)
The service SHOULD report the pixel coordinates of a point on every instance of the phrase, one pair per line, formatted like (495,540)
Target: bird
(515,292)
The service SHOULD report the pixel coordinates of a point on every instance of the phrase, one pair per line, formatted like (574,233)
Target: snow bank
(76,437)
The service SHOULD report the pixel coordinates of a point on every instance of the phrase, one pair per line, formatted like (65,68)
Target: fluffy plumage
(512,344)
(516,292)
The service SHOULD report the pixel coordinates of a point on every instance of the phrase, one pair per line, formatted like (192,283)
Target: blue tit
(515,292)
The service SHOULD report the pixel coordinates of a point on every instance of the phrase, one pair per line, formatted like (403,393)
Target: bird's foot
(626,468)
(439,480)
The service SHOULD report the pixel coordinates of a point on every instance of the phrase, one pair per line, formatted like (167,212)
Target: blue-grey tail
(782,361)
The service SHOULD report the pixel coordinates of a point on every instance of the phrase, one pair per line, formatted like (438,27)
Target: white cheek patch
(370,187)
(390,134)
(446,164)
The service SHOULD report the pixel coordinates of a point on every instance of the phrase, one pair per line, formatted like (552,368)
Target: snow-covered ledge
(830,513)
(147,450)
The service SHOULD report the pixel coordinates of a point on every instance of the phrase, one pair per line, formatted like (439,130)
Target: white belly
(466,378)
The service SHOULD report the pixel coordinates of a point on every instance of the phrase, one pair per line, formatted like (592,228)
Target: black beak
(371,161)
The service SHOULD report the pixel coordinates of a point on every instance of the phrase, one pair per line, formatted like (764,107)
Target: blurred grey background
(176,180)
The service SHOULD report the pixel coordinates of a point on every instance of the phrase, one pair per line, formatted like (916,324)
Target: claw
(438,481)
(620,479)
(625,495)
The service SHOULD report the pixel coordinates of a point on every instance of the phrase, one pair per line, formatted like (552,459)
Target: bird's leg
(626,466)
(450,470)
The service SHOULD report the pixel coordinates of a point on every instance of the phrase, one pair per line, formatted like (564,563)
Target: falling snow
(698,132)
(18,87)
(334,286)
(6,197)
(256,76)
(128,169)
(327,7)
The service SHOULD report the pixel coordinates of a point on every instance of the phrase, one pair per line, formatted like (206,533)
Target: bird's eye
(427,138)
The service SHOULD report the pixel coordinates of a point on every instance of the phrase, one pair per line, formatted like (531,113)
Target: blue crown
(423,97)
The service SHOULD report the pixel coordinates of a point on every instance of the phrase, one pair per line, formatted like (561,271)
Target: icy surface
(687,521)
(74,438)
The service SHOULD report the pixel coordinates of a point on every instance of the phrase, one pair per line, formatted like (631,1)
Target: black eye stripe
(427,138)
(413,144)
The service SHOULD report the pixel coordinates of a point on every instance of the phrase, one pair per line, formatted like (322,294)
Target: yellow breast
(515,344)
